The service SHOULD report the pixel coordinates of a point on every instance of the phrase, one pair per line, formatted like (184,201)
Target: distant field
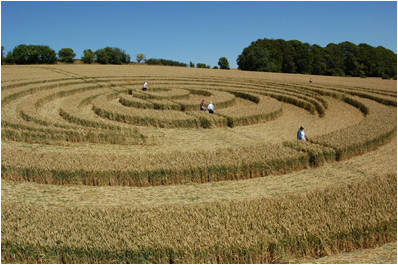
(95,170)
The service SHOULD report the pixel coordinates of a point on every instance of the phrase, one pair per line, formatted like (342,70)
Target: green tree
(288,63)
(386,62)
(334,60)
(191,64)
(110,55)
(9,59)
(66,55)
(202,65)
(101,56)
(340,59)
(88,56)
(318,61)
(262,55)
(33,54)
(23,54)
(367,60)
(154,61)
(140,57)
(46,55)
(223,63)
(275,54)
(254,58)
(301,56)
(351,58)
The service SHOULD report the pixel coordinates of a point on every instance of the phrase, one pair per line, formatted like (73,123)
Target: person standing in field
(202,105)
(145,87)
(210,107)
(301,134)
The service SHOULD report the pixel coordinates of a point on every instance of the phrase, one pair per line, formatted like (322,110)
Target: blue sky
(194,31)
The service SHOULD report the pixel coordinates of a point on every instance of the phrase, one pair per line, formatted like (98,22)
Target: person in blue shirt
(301,134)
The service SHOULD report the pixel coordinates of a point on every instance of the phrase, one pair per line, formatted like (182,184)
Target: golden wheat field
(96,170)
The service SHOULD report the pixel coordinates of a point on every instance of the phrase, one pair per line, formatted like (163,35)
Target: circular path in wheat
(96,170)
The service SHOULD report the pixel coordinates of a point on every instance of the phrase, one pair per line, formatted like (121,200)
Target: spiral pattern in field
(115,111)
(120,151)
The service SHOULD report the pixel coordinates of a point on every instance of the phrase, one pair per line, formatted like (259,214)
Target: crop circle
(146,176)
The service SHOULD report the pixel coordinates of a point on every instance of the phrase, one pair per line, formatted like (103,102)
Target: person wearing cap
(145,87)
(202,105)
(301,134)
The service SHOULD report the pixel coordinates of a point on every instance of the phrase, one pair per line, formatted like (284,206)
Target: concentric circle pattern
(114,111)
(96,170)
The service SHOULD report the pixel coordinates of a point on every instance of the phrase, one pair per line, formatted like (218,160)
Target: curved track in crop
(83,127)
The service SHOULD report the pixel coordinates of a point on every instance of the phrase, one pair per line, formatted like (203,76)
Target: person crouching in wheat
(210,107)
(145,87)
(202,105)
(301,134)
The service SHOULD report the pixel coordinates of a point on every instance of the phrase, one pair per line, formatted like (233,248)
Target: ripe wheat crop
(95,170)
(252,231)
(245,112)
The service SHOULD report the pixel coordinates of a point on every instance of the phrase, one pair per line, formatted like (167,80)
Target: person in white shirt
(210,107)
(301,134)
(145,86)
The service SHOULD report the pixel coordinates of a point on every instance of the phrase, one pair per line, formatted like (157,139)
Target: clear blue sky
(194,31)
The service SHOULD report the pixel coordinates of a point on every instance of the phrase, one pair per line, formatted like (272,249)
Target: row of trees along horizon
(266,55)
(40,54)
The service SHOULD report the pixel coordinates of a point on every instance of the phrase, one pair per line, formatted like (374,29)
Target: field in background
(95,170)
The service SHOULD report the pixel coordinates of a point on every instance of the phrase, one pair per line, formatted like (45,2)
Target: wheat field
(95,170)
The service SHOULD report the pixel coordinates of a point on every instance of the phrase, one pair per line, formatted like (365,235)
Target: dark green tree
(288,63)
(202,65)
(153,61)
(33,54)
(23,54)
(254,58)
(274,48)
(367,60)
(340,59)
(191,64)
(318,61)
(300,53)
(351,58)
(114,55)
(9,59)
(110,55)
(47,55)
(334,60)
(386,63)
(223,63)
(66,55)
(101,56)
(88,56)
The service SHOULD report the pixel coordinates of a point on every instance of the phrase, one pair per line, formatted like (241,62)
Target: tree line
(343,59)
(153,61)
(268,55)
(30,54)
(39,54)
